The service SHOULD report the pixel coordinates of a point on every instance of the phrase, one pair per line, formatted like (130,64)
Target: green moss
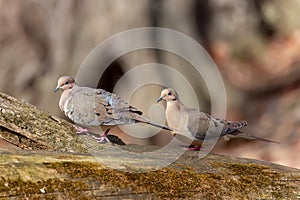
(18,187)
(84,179)
(256,179)
(242,180)
(163,183)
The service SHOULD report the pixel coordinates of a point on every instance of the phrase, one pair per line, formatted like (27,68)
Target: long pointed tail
(252,137)
(157,125)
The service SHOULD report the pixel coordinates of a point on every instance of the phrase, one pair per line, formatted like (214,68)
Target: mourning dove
(94,107)
(194,124)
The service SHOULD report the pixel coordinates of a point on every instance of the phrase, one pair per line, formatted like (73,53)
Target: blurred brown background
(255,43)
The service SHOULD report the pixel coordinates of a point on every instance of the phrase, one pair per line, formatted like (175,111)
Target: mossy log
(54,162)
(27,127)
(61,175)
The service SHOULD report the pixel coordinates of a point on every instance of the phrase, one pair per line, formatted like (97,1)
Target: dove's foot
(191,148)
(103,138)
(80,130)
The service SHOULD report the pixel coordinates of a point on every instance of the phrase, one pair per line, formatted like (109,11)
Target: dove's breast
(177,118)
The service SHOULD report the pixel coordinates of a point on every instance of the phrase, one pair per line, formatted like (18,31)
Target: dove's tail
(157,125)
(251,137)
(160,126)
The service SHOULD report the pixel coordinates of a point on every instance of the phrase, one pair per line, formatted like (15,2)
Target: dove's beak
(57,88)
(159,99)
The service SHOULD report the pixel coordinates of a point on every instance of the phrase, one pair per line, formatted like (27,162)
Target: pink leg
(80,130)
(103,138)
(191,147)
(84,131)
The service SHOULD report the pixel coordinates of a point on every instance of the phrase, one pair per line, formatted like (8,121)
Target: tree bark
(107,171)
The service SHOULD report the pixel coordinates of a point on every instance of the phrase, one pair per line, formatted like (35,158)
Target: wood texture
(97,171)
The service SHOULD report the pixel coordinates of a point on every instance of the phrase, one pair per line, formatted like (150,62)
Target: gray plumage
(94,107)
(195,125)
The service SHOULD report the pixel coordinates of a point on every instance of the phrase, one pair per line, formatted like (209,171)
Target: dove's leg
(103,138)
(191,147)
(196,148)
(80,130)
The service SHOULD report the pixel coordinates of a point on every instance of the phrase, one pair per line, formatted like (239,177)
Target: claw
(103,138)
(83,131)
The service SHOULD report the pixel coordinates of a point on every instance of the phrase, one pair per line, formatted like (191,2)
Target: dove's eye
(66,83)
(170,93)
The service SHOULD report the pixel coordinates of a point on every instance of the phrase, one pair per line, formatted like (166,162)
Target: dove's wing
(93,107)
(201,125)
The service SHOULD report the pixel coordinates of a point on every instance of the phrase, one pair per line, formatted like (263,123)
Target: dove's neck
(65,98)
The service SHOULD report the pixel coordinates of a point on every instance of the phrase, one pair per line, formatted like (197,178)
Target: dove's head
(64,83)
(168,95)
